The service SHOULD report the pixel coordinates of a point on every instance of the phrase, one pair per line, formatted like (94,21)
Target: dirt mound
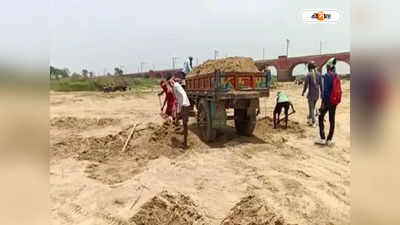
(101,149)
(109,164)
(265,126)
(171,209)
(82,123)
(167,137)
(163,133)
(66,147)
(231,64)
(251,210)
(147,143)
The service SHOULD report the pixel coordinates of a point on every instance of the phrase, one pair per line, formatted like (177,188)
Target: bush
(274,82)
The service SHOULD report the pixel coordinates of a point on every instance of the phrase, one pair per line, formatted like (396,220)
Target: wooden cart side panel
(260,82)
(226,81)
(244,82)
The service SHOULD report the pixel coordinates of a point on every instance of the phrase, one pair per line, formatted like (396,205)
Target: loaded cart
(215,92)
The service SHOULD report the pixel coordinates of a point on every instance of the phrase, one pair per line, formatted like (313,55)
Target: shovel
(280,120)
(292,112)
(162,114)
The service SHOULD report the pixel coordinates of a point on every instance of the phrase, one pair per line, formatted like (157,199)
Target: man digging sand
(169,100)
(183,107)
(282,102)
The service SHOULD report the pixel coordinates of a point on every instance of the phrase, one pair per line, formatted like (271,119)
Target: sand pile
(231,64)
(151,141)
(110,164)
(82,123)
(147,143)
(265,126)
(168,137)
(168,209)
(253,211)
(158,141)
(66,147)
(100,149)
(163,132)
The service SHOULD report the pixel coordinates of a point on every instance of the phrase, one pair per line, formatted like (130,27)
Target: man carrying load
(187,68)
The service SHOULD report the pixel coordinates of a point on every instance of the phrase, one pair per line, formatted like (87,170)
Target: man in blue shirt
(326,105)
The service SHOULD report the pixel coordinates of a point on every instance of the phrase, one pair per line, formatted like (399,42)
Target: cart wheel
(204,123)
(245,122)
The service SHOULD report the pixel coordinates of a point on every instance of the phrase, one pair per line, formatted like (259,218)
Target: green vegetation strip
(97,84)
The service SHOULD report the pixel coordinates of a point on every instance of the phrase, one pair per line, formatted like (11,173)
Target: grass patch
(96,84)
(72,85)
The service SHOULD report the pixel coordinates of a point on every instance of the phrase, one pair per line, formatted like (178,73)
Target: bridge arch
(343,67)
(273,68)
(299,71)
(285,65)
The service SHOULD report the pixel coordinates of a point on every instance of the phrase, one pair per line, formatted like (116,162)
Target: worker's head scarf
(311,68)
(314,76)
(331,64)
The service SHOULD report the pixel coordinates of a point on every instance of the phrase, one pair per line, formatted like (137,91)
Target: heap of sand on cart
(217,85)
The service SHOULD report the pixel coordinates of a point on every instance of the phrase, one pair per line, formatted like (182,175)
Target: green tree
(85,73)
(56,73)
(118,71)
(66,72)
(75,76)
(52,72)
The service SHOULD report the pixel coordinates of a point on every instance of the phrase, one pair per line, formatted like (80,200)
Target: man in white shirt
(183,107)
(187,67)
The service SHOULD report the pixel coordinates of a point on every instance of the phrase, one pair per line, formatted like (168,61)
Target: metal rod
(263,53)
(320,47)
(287,47)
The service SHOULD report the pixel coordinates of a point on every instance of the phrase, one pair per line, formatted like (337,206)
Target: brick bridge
(284,65)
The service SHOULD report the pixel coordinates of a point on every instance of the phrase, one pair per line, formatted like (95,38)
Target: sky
(99,35)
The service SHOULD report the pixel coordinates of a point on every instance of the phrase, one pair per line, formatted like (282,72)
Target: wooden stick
(137,199)
(262,118)
(129,137)
(280,120)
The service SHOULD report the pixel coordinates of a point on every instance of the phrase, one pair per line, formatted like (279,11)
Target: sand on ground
(276,176)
